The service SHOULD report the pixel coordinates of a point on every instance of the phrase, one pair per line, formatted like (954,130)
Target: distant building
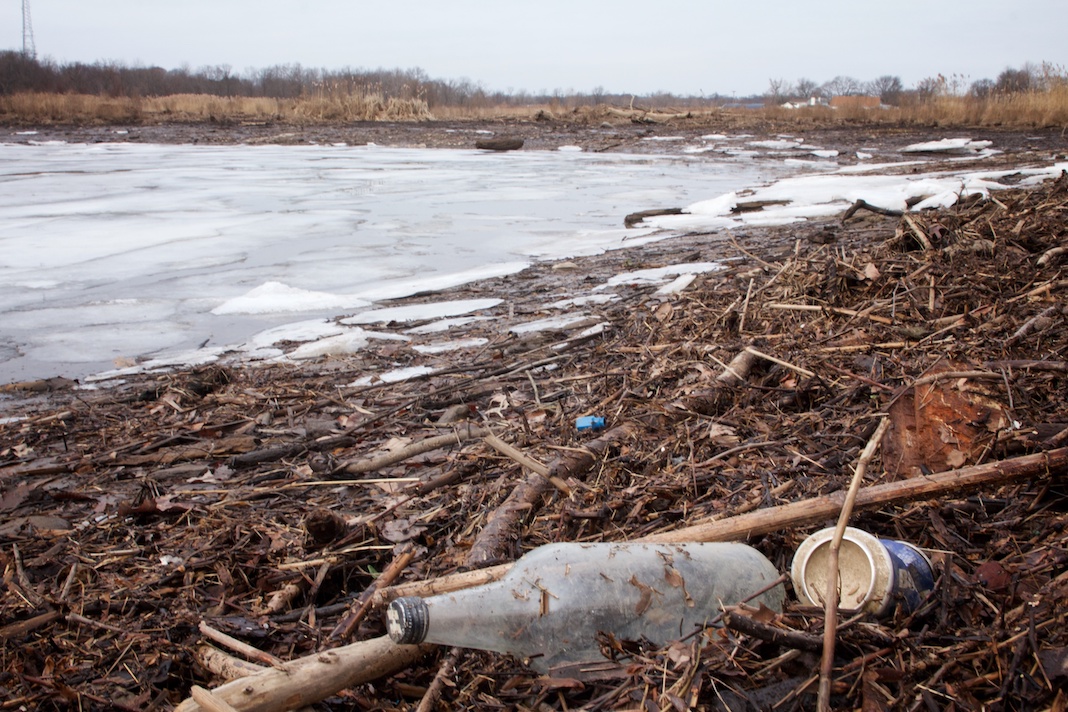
(813,101)
(855,102)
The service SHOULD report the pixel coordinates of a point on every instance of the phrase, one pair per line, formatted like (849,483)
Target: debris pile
(173,532)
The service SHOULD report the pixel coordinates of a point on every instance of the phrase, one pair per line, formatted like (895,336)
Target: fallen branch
(461,434)
(364,603)
(490,545)
(709,401)
(830,616)
(865,205)
(796,514)
(819,509)
(738,621)
(313,678)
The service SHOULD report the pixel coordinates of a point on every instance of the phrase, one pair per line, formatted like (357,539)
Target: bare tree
(930,87)
(982,88)
(843,86)
(888,88)
(778,90)
(806,88)
(1015,81)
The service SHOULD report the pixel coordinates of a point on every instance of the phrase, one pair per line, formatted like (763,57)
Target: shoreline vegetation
(41,93)
(1026,110)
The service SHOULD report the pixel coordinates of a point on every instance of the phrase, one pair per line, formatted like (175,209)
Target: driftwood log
(635,218)
(499,144)
(310,679)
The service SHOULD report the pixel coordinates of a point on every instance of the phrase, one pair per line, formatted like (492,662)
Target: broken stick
(796,514)
(315,677)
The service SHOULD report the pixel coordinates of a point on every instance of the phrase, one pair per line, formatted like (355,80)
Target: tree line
(891,91)
(22,73)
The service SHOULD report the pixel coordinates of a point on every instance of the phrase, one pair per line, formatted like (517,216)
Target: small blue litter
(589,422)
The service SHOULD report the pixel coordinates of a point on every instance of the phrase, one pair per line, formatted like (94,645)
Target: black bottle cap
(407,620)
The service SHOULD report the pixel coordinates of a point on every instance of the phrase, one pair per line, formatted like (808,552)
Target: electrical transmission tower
(28,48)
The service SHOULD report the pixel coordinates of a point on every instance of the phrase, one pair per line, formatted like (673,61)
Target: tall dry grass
(1019,110)
(42,108)
(1023,110)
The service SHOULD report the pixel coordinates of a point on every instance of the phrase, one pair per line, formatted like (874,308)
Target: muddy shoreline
(590,135)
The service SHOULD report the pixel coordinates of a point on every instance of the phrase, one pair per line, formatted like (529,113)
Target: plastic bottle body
(551,605)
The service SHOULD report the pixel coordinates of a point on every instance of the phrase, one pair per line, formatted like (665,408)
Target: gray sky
(679,46)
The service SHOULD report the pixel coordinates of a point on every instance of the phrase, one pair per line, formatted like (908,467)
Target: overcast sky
(686,47)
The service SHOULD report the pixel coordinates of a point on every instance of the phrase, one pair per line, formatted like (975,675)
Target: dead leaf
(398,530)
(646,598)
(871,272)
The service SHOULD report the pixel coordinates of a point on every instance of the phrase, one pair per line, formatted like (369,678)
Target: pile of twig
(168,534)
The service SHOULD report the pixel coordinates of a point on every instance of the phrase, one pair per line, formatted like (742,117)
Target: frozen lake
(117,253)
(114,252)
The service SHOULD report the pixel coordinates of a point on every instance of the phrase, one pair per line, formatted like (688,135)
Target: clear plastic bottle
(553,602)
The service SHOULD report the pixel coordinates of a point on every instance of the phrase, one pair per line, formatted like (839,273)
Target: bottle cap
(407,620)
(589,422)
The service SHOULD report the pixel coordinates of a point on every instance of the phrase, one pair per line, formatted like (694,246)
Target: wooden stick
(461,434)
(784,364)
(842,311)
(314,677)
(830,620)
(736,620)
(222,665)
(920,236)
(238,646)
(208,701)
(526,461)
(344,629)
(861,204)
(796,514)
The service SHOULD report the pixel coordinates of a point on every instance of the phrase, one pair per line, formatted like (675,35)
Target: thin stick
(417,448)
(784,364)
(830,622)
(526,461)
(745,307)
(208,701)
(238,646)
(433,693)
(345,627)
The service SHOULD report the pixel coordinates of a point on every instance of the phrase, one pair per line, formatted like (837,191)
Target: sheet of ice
(658,275)
(446,324)
(554,322)
(347,342)
(418,312)
(278,298)
(777,144)
(394,376)
(114,253)
(445,346)
(820,195)
(948,145)
(583,301)
(678,284)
